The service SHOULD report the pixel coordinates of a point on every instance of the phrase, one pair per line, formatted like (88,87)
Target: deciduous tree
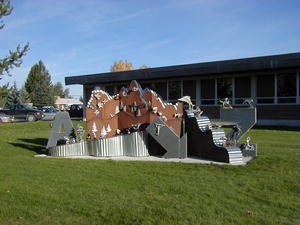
(14,58)
(121,66)
(58,90)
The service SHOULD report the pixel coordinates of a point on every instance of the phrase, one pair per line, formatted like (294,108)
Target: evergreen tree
(24,96)
(38,85)
(3,94)
(13,96)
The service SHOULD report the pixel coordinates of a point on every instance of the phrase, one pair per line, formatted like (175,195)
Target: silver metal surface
(134,144)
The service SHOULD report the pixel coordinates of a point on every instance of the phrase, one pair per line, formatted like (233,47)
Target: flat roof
(291,60)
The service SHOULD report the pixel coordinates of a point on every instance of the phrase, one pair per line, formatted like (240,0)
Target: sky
(78,37)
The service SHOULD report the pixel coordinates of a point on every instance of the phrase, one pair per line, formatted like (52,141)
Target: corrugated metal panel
(134,144)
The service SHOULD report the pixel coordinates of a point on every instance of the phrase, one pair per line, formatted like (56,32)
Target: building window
(286,88)
(148,85)
(208,92)
(174,90)
(119,87)
(242,89)
(189,89)
(110,90)
(88,92)
(265,89)
(161,89)
(224,88)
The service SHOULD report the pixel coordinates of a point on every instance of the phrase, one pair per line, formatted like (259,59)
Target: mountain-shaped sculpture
(130,110)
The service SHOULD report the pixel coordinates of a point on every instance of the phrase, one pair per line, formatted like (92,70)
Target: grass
(74,191)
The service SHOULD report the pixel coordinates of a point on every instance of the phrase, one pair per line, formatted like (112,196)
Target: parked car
(76,111)
(5,118)
(23,112)
(49,113)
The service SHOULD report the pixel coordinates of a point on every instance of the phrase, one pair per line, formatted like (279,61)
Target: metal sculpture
(137,122)
(62,129)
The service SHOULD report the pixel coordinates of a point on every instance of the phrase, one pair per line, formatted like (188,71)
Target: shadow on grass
(37,145)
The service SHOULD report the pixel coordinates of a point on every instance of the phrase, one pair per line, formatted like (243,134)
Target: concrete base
(194,160)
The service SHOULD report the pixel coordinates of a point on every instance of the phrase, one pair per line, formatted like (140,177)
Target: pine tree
(13,96)
(3,94)
(38,85)
(24,96)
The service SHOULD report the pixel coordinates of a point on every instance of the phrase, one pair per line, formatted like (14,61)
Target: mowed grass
(74,191)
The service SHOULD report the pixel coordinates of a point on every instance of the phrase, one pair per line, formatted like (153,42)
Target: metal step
(218,136)
(235,155)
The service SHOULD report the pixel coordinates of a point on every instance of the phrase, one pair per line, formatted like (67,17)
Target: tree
(3,94)
(38,85)
(67,93)
(121,66)
(58,90)
(124,66)
(24,96)
(144,67)
(13,96)
(14,58)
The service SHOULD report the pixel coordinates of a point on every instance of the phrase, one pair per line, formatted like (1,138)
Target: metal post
(253,89)
(297,88)
(198,93)
(275,89)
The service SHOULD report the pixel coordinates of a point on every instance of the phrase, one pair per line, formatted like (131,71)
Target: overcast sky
(76,37)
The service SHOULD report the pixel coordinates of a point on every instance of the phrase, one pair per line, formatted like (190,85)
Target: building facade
(272,82)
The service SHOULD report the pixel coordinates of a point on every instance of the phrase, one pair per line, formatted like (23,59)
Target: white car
(6,118)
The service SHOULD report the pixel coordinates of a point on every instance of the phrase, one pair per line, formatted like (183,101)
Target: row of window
(279,88)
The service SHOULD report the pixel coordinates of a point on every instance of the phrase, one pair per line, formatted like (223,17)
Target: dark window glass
(174,90)
(161,89)
(286,100)
(208,89)
(224,88)
(189,88)
(110,90)
(88,92)
(265,86)
(120,86)
(265,100)
(286,85)
(207,102)
(242,87)
(148,85)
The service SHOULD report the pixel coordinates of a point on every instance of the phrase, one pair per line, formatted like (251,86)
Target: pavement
(195,160)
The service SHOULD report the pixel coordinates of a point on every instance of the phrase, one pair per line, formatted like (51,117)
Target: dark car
(76,111)
(23,112)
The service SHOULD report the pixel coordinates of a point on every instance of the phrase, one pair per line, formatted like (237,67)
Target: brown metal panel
(107,114)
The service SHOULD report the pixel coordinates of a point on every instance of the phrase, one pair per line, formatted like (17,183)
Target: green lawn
(74,191)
